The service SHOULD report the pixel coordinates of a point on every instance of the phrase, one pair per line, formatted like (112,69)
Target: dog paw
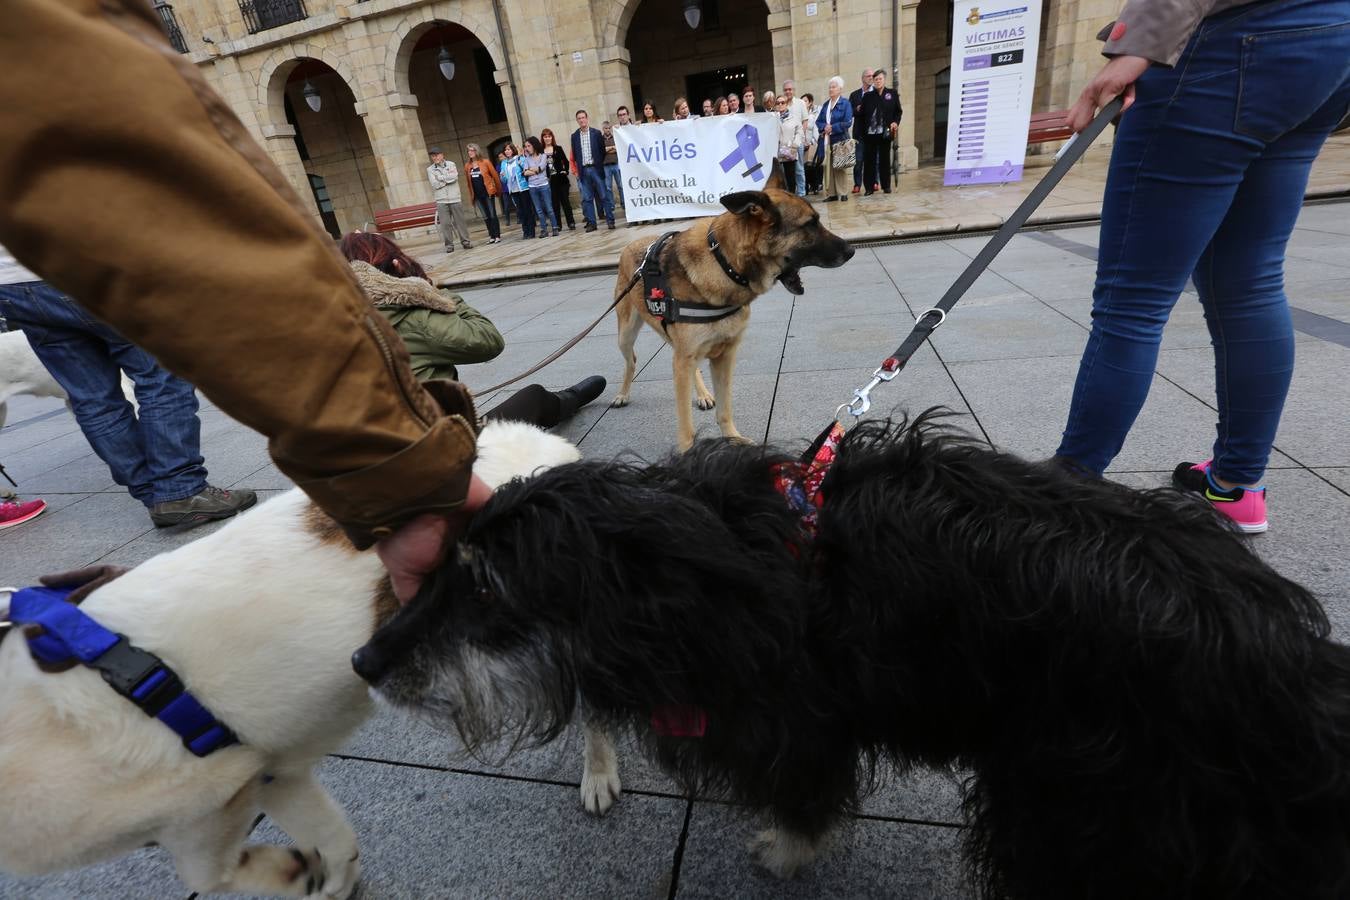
(340,878)
(620,401)
(781,852)
(599,790)
(704,403)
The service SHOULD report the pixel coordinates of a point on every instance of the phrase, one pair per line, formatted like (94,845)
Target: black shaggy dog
(1149,710)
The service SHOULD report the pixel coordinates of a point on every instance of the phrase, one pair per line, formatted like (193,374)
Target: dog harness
(799,482)
(662,304)
(70,635)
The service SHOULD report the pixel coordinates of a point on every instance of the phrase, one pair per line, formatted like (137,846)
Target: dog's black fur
(1148,709)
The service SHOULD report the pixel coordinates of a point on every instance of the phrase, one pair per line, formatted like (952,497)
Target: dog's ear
(776,178)
(751,203)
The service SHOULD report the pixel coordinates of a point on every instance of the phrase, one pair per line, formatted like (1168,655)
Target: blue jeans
(594,194)
(543,206)
(488,210)
(612,176)
(156,453)
(524,211)
(801,170)
(1206,180)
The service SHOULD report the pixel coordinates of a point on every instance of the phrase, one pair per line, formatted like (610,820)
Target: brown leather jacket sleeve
(126,182)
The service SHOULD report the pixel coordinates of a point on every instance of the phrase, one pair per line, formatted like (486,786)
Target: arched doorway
(932,77)
(730,50)
(334,147)
(466,108)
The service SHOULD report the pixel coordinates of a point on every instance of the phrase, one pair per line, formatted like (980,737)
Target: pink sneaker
(1245,506)
(16,513)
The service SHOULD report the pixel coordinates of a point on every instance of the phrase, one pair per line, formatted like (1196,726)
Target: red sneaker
(16,513)
(856,189)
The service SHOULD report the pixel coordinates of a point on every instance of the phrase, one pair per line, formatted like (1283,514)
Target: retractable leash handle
(929,320)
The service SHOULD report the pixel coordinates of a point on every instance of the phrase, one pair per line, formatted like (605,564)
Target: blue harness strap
(69,634)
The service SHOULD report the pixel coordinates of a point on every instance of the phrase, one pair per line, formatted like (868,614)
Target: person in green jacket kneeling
(442,331)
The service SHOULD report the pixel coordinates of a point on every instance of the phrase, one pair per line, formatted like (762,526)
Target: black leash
(929,320)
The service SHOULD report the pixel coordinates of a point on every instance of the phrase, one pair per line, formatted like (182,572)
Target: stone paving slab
(434,824)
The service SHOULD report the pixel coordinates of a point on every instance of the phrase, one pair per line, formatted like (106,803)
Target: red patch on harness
(1118,31)
(680,721)
(658,294)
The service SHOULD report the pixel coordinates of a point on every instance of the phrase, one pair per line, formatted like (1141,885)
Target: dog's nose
(369,663)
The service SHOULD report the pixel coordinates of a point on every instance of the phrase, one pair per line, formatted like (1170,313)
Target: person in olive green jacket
(442,331)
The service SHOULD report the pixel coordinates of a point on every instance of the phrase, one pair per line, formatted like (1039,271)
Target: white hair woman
(835,121)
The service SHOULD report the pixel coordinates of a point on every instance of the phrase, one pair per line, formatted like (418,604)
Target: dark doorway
(711,85)
(942,86)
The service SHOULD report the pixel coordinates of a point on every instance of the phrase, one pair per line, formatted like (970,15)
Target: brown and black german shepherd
(766,236)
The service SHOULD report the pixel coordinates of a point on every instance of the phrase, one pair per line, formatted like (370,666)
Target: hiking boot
(211,504)
(578,395)
(1245,506)
(19,511)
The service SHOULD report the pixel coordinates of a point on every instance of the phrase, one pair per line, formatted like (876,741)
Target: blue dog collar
(70,635)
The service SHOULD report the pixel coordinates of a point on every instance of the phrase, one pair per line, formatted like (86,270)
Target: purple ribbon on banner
(747,142)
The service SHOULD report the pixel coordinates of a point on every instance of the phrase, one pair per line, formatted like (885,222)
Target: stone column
(909,33)
(400,150)
(279,142)
(616,80)
(780,36)
(513,124)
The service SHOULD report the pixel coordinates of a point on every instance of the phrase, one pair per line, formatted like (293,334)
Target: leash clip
(862,397)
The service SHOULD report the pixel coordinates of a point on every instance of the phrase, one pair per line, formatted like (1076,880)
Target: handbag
(787,154)
(843,154)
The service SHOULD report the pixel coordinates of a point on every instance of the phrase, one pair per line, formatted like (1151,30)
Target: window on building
(493,101)
(260,15)
(325,205)
(712,16)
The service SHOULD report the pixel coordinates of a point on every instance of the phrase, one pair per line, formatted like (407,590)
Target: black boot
(578,395)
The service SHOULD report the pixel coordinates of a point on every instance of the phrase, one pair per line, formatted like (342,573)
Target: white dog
(259,620)
(21,373)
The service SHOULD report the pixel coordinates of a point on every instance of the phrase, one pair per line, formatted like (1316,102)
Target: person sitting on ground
(442,331)
(156,453)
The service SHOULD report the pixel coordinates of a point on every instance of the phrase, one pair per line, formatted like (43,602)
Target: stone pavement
(919,205)
(434,825)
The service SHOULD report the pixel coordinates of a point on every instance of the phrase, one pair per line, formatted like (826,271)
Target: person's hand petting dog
(416,549)
(1116,79)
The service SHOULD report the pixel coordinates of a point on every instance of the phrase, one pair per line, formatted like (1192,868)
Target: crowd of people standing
(821,147)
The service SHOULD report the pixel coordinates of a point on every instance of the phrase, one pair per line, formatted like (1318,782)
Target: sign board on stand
(678,170)
(993,76)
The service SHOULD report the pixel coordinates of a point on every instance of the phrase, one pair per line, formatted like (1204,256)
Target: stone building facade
(375,70)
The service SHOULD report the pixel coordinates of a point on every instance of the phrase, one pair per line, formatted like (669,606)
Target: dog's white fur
(21,372)
(260,619)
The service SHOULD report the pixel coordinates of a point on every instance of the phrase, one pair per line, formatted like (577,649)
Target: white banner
(993,77)
(678,170)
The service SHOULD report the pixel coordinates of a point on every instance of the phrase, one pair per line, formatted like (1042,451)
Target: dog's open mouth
(792,280)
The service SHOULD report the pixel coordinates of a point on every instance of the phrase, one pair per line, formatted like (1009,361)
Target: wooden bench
(405,217)
(1049,126)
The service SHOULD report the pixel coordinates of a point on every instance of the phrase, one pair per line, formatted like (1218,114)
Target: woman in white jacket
(790,137)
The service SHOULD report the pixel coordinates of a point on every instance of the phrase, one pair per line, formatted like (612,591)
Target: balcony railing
(171,26)
(260,15)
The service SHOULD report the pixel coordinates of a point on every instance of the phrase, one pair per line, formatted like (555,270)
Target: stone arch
(274,72)
(621,16)
(399,49)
